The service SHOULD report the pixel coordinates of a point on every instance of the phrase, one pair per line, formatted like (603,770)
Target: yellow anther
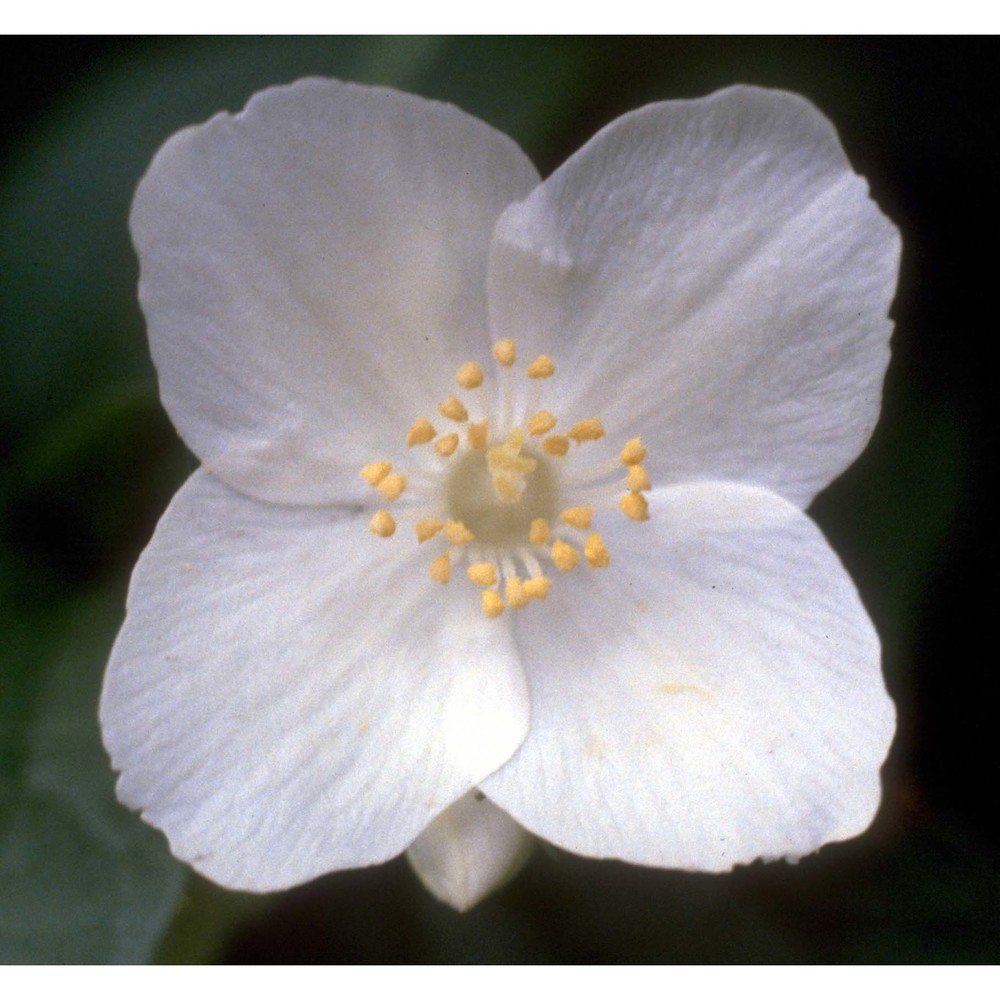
(555,445)
(538,587)
(458,533)
(577,517)
(484,574)
(421,432)
(469,376)
(541,367)
(441,569)
(505,352)
(516,593)
(478,432)
(638,478)
(590,429)
(427,528)
(538,533)
(382,524)
(597,555)
(633,452)
(392,486)
(492,604)
(564,556)
(541,423)
(453,410)
(446,445)
(374,472)
(634,505)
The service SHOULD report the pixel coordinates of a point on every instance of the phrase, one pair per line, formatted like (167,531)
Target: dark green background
(89,462)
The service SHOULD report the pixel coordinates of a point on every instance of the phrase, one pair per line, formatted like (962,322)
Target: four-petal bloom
(292,694)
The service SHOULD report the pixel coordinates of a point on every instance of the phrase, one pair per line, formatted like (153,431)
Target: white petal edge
(289,695)
(713,275)
(312,271)
(713,697)
(470,850)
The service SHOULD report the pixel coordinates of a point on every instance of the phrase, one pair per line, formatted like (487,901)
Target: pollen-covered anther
(382,524)
(492,604)
(597,555)
(478,433)
(374,472)
(577,517)
(541,423)
(590,429)
(453,409)
(638,478)
(538,587)
(421,432)
(392,486)
(538,532)
(484,574)
(564,555)
(457,533)
(446,444)
(633,453)
(516,593)
(505,352)
(469,376)
(634,506)
(427,528)
(542,367)
(556,445)
(441,568)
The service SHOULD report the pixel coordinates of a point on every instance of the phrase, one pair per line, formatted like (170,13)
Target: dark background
(89,461)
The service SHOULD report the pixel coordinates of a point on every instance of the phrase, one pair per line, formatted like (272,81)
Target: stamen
(564,556)
(638,478)
(469,376)
(453,410)
(597,555)
(505,352)
(538,587)
(556,445)
(538,533)
(492,604)
(421,432)
(634,506)
(458,533)
(541,367)
(382,524)
(590,429)
(577,517)
(392,486)
(445,446)
(633,452)
(374,472)
(541,423)
(516,593)
(478,433)
(427,528)
(441,568)
(484,574)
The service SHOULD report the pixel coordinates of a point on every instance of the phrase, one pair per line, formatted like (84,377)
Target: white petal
(313,270)
(710,274)
(289,695)
(469,851)
(714,696)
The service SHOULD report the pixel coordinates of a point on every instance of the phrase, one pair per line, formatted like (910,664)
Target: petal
(289,696)
(712,275)
(471,849)
(312,270)
(713,697)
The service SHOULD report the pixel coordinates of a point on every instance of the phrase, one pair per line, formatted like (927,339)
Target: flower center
(507,497)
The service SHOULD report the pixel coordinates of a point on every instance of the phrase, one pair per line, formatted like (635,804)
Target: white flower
(327,278)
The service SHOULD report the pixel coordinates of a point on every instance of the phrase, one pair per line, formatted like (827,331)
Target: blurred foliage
(89,461)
